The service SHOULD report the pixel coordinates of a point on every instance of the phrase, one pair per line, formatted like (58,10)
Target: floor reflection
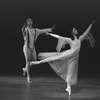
(26,91)
(43,88)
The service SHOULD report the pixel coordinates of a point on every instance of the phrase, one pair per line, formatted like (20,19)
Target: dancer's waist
(30,45)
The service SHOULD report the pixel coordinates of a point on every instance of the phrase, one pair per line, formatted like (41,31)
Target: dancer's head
(29,22)
(74,31)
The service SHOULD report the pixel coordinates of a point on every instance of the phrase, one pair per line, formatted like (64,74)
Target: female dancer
(65,63)
(30,35)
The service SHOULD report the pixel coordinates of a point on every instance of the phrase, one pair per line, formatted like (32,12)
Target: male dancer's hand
(54,26)
(50,30)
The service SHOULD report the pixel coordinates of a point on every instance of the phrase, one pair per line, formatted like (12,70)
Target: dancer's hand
(93,21)
(54,26)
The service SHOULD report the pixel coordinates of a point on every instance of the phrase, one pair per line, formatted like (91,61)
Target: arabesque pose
(30,35)
(65,63)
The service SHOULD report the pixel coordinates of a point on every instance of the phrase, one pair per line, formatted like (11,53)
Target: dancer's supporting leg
(27,58)
(27,70)
(69,77)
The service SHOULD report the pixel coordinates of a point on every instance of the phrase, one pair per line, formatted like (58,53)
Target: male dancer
(30,35)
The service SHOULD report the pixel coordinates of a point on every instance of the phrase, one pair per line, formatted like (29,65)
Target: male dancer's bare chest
(31,35)
(31,39)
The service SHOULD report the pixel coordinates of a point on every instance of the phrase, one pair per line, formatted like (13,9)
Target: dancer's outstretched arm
(59,37)
(61,41)
(87,35)
(46,30)
(41,31)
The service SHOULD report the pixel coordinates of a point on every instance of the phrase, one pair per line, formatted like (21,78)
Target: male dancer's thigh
(33,54)
(27,53)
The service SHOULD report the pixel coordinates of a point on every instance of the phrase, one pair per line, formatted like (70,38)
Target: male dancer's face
(29,23)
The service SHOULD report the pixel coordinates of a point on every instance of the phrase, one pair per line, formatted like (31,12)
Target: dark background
(66,14)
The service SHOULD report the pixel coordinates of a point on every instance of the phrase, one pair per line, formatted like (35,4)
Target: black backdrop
(45,13)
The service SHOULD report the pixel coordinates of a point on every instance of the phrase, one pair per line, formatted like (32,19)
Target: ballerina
(65,63)
(30,35)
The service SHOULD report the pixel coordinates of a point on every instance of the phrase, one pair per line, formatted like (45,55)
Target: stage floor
(47,88)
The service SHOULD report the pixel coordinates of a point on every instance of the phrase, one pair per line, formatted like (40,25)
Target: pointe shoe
(32,63)
(24,70)
(28,80)
(68,90)
(35,62)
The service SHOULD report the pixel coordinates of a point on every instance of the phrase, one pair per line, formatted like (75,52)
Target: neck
(75,37)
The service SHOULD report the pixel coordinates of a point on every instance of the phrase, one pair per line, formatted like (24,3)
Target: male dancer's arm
(43,31)
(24,31)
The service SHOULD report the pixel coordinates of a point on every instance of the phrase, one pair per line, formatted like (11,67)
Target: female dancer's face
(74,31)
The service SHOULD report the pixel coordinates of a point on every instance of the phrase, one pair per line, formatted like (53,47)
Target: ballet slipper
(68,89)
(24,71)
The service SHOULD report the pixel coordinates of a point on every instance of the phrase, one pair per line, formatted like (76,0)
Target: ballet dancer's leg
(31,56)
(27,71)
(27,58)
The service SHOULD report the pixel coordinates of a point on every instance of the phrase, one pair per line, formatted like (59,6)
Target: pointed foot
(28,80)
(24,71)
(35,62)
(68,90)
